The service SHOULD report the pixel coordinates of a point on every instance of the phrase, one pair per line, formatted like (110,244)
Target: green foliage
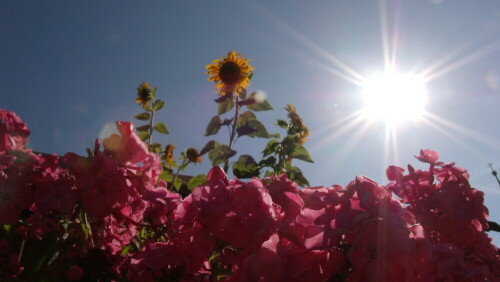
(225,106)
(261,104)
(198,180)
(246,167)
(161,128)
(213,126)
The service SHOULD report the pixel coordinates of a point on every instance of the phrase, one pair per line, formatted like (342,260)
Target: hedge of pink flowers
(107,216)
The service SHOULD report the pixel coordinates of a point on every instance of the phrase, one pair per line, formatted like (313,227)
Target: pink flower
(13,132)
(14,195)
(162,203)
(428,156)
(127,146)
(74,272)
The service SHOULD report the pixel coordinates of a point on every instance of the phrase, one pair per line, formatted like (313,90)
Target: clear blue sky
(68,68)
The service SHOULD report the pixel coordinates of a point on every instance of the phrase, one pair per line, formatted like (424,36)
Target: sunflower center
(230,73)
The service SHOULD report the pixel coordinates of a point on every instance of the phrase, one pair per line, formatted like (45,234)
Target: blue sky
(71,68)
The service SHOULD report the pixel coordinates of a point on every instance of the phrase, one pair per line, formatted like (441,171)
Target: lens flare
(394,97)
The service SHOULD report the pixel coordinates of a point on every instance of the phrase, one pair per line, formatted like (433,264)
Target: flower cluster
(108,216)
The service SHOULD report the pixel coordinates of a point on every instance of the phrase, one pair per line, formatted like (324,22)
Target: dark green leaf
(224,98)
(158,105)
(244,130)
(144,127)
(225,106)
(161,128)
(143,116)
(301,153)
(209,146)
(271,147)
(183,166)
(261,104)
(271,161)
(245,167)
(213,126)
(282,123)
(300,179)
(143,135)
(244,118)
(220,154)
(260,129)
(295,174)
(198,180)
(242,94)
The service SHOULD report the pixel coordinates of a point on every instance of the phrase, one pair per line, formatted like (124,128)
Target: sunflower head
(295,119)
(143,94)
(193,155)
(169,153)
(230,74)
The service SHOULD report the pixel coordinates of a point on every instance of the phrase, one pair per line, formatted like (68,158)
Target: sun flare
(394,97)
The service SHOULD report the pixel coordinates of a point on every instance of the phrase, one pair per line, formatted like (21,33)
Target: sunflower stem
(233,132)
(151,121)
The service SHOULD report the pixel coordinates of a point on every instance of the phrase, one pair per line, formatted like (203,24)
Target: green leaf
(243,118)
(7,228)
(153,93)
(213,126)
(209,146)
(178,184)
(143,135)
(144,127)
(295,174)
(198,180)
(143,116)
(126,250)
(183,166)
(158,105)
(225,106)
(300,179)
(245,167)
(260,129)
(268,173)
(301,153)
(161,128)
(271,147)
(156,147)
(270,162)
(243,94)
(261,103)
(282,123)
(166,176)
(220,154)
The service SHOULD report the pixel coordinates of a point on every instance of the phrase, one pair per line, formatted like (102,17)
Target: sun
(394,97)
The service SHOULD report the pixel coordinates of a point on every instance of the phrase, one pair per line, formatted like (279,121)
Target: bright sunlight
(394,97)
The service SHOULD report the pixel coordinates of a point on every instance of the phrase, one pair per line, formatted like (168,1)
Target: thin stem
(151,120)
(21,251)
(233,132)
(178,170)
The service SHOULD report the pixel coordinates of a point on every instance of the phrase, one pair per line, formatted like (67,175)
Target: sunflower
(230,74)
(293,116)
(169,153)
(143,94)
(193,155)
